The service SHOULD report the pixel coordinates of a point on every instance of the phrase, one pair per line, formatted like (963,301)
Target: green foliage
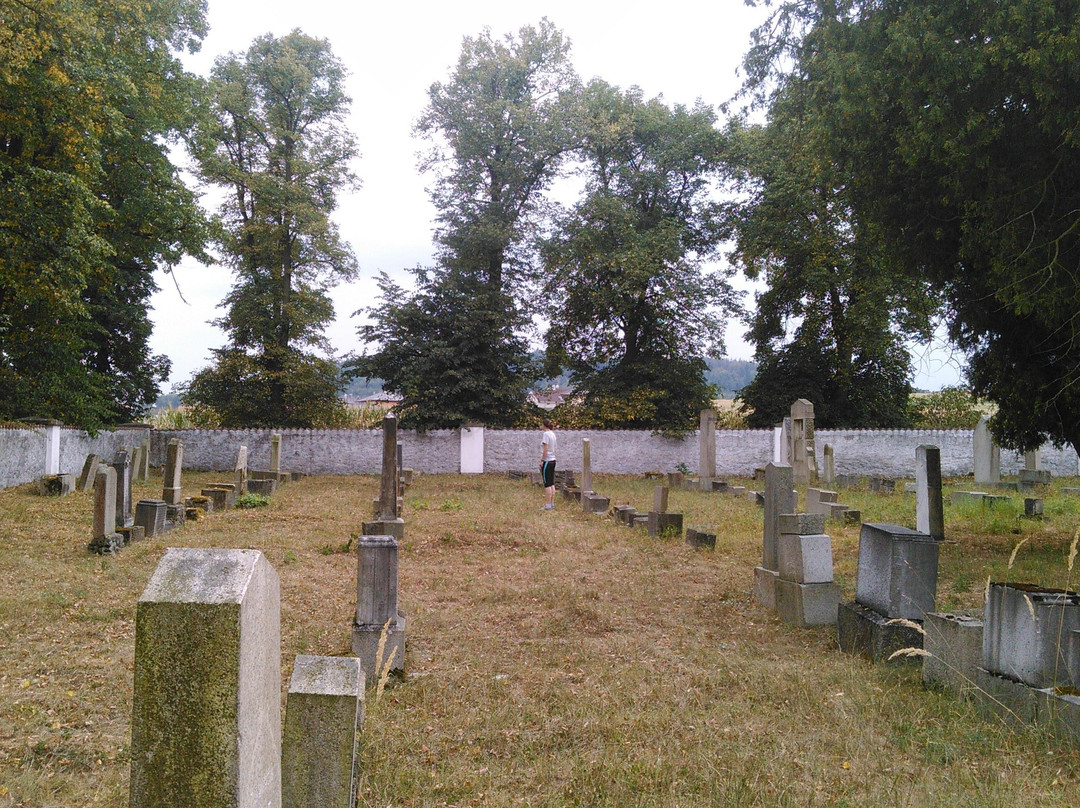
(90,204)
(288,389)
(832,322)
(275,137)
(251,501)
(499,128)
(632,307)
(957,125)
(950,408)
(450,350)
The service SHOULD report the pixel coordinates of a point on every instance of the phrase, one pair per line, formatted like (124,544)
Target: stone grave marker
(174,460)
(142,471)
(707,450)
(150,515)
(241,470)
(122,464)
(803,458)
(779,498)
(805,592)
(323,718)
(275,453)
(89,473)
(929,509)
(377,611)
(206,714)
(105,539)
(388,522)
(828,471)
(987,454)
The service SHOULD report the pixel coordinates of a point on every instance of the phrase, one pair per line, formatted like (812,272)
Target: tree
(832,323)
(499,129)
(90,203)
(958,124)
(275,138)
(632,306)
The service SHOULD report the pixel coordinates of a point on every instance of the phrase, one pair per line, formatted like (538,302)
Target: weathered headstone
(206,715)
(897,571)
(701,539)
(105,538)
(89,473)
(174,461)
(150,514)
(987,454)
(1025,629)
(1033,460)
(707,450)
(828,462)
(953,643)
(660,499)
(586,465)
(803,459)
(779,498)
(56,485)
(388,522)
(122,464)
(379,625)
(324,715)
(929,509)
(1033,507)
(275,453)
(805,592)
(142,471)
(241,470)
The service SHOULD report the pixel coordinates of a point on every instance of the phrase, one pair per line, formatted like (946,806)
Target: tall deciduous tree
(959,126)
(90,204)
(633,307)
(832,321)
(275,139)
(499,129)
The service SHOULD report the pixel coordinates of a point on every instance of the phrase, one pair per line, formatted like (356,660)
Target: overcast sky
(394,52)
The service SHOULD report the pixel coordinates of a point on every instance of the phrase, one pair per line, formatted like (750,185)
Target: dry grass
(553,658)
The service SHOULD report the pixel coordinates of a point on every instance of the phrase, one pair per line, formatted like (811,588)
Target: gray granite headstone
(929,510)
(206,715)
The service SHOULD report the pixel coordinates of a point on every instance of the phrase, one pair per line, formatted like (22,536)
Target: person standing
(547,464)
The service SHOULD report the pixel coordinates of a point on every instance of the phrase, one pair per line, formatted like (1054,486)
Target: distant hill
(730,375)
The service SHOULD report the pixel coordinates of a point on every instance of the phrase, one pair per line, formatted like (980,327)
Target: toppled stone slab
(864,632)
(701,539)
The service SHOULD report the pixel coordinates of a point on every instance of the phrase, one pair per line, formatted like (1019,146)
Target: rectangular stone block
(737,490)
(89,471)
(223,498)
(806,524)
(1033,507)
(624,514)
(700,539)
(150,514)
(1031,477)
(897,572)
(818,500)
(56,485)
(131,533)
(864,632)
(807,605)
(384,527)
(1000,699)
(765,586)
(324,715)
(1059,713)
(807,560)
(663,524)
(265,488)
(954,642)
(1026,632)
(594,503)
(206,715)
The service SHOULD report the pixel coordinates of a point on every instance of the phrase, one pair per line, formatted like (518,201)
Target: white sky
(395,51)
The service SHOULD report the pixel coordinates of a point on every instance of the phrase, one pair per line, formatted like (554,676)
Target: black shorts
(547,470)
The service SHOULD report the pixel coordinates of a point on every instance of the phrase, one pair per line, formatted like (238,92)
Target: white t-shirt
(549,441)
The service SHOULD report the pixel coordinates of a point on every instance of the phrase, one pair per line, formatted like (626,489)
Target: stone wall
(358,451)
(311,451)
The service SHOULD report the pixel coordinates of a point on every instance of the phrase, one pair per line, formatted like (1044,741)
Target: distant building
(382,399)
(551,398)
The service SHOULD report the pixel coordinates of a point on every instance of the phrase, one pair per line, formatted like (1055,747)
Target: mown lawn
(553,659)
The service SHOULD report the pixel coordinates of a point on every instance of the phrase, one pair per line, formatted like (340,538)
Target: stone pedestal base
(806,605)
(1004,699)
(863,631)
(133,533)
(955,644)
(765,586)
(264,488)
(664,523)
(592,502)
(107,544)
(700,539)
(365,646)
(56,485)
(385,527)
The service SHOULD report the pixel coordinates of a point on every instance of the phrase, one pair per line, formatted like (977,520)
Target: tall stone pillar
(929,510)
(707,449)
(174,460)
(377,611)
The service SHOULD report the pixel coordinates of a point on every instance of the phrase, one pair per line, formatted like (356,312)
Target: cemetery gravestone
(929,509)
(275,454)
(206,716)
(779,498)
(174,459)
(707,450)
(987,454)
(89,473)
(828,472)
(378,619)
(323,718)
(105,538)
(803,459)
(122,465)
(241,471)
(388,522)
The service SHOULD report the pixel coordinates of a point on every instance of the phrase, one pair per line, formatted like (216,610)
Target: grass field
(553,659)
